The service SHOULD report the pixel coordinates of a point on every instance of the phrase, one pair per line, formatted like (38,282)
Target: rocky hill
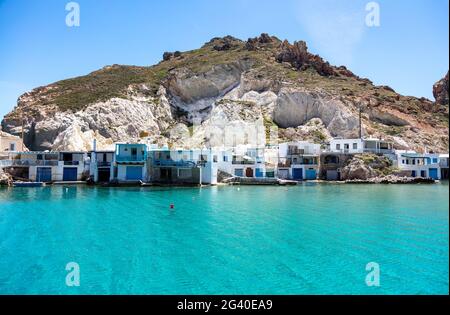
(257,84)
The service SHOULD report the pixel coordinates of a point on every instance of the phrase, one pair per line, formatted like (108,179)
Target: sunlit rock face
(441,91)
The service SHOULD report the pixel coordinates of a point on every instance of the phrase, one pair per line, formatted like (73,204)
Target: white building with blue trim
(244,161)
(130,162)
(413,164)
(298,160)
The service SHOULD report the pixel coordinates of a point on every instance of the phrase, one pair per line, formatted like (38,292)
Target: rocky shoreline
(392,179)
(7,181)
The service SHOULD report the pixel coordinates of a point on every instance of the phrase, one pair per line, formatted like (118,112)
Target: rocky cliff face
(440,91)
(190,98)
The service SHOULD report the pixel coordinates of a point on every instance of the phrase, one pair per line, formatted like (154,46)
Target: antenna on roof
(22,129)
(360,121)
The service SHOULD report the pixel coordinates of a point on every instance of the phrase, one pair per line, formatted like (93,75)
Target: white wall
(309,148)
(124,150)
(351,146)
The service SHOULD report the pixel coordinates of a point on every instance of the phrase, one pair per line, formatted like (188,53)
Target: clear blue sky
(408,52)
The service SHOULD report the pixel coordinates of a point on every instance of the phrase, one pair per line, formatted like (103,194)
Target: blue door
(239,172)
(70,174)
(297,173)
(413,173)
(259,172)
(44,174)
(311,174)
(433,173)
(134,173)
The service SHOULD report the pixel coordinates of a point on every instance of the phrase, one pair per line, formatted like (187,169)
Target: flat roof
(38,152)
(415,155)
(140,144)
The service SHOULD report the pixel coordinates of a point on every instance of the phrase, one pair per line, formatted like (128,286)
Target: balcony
(236,162)
(296,151)
(172,163)
(130,159)
(29,163)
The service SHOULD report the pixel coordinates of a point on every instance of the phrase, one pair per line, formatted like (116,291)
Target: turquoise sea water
(306,239)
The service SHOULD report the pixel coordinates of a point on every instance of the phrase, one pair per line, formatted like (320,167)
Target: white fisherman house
(298,160)
(425,165)
(49,166)
(101,166)
(130,162)
(359,146)
(244,161)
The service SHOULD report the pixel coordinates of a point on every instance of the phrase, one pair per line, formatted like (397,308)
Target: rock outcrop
(298,56)
(195,94)
(296,107)
(5,179)
(366,166)
(191,98)
(441,91)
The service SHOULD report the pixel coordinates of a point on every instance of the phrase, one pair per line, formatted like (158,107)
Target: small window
(435,160)
(12,146)
(338,146)
(215,158)
(414,162)
(355,146)
(225,158)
